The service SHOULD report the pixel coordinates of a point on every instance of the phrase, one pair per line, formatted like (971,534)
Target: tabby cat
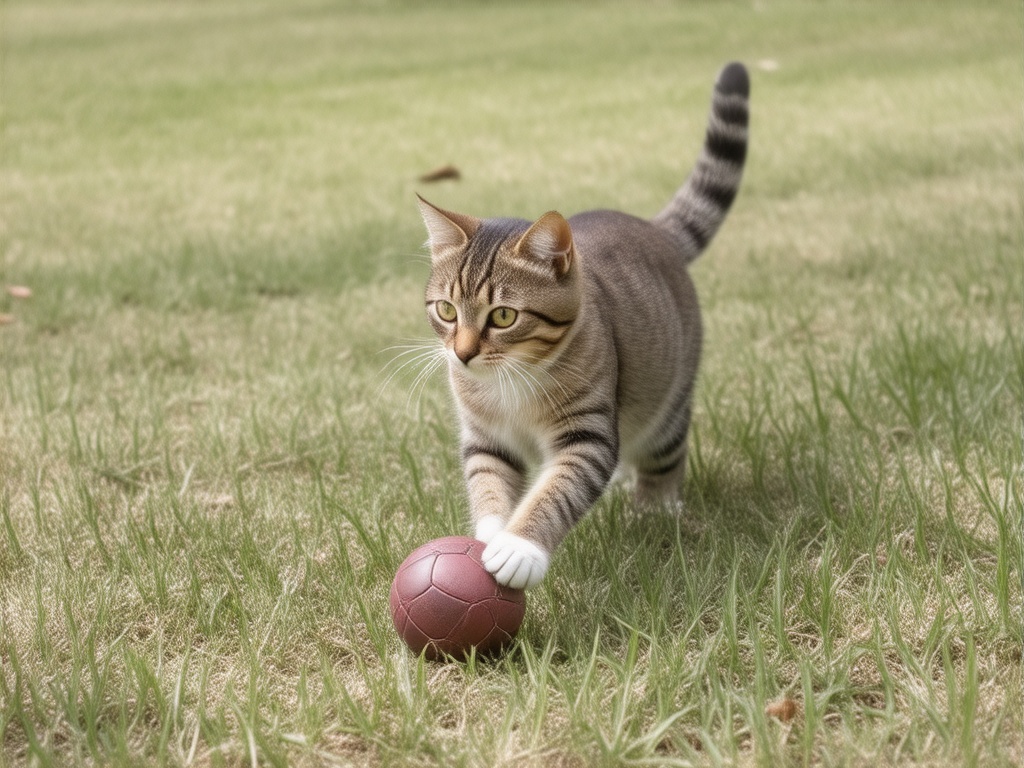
(572,348)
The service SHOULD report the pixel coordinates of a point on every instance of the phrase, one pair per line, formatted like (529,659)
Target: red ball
(444,603)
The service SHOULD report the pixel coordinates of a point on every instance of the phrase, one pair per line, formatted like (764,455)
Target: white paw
(488,527)
(514,561)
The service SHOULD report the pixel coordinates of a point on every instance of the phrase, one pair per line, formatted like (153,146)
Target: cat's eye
(446,311)
(503,317)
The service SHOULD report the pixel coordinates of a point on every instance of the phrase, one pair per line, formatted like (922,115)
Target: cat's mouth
(485,364)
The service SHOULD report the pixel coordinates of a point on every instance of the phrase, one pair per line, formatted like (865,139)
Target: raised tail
(694,215)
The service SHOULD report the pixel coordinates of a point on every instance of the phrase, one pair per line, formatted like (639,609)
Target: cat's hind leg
(659,472)
(659,490)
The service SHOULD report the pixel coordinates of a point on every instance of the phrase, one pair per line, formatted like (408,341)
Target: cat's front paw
(488,527)
(514,561)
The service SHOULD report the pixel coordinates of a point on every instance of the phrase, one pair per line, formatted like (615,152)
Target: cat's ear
(549,240)
(446,229)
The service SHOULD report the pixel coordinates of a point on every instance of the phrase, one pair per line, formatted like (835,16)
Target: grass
(205,487)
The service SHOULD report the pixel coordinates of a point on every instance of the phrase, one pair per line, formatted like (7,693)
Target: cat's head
(500,290)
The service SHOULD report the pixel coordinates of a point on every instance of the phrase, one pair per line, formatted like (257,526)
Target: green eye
(446,311)
(503,317)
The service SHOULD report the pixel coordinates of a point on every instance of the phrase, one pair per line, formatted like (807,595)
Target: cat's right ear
(446,230)
(549,241)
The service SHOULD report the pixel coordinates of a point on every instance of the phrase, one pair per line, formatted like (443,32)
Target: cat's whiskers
(556,394)
(531,383)
(506,399)
(417,258)
(419,384)
(518,396)
(505,382)
(418,352)
(564,368)
(410,346)
(426,354)
(524,390)
(497,386)
(536,389)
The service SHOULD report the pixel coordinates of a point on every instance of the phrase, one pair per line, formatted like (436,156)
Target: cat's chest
(518,420)
(502,398)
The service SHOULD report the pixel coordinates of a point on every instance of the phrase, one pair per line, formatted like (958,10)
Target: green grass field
(207,480)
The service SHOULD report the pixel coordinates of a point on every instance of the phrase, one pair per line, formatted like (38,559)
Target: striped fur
(572,348)
(694,215)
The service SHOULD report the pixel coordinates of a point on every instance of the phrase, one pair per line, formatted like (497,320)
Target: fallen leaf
(20,291)
(440,174)
(782,710)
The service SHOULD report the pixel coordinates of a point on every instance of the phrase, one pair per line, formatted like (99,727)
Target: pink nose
(467,346)
(467,353)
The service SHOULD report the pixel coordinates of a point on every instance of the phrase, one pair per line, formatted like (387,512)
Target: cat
(572,348)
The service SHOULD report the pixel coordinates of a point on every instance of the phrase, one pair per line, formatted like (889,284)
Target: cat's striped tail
(698,208)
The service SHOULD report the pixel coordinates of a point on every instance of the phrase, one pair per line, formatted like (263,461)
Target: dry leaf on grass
(782,710)
(440,174)
(19,291)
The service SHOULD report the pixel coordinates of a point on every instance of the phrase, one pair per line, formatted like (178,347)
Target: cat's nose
(467,353)
(467,346)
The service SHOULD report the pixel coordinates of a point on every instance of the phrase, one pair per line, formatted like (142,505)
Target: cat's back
(627,261)
(641,299)
(637,272)
(612,238)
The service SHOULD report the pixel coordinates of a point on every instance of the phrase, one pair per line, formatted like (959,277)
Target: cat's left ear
(446,229)
(549,240)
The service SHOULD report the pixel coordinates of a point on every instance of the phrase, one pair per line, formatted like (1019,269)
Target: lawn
(211,466)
